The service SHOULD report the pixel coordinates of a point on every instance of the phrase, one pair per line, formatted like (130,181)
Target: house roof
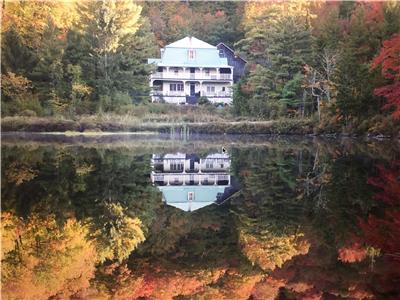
(230,49)
(203,195)
(190,42)
(176,55)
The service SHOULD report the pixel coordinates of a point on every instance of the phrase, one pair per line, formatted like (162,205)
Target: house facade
(189,182)
(234,60)
(188,69)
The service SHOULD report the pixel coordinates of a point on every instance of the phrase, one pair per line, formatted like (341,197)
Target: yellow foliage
(19,173)
(84,169)
(30,18)
(119,234)
(10,226)
(46,260)
(280,9)
(14,86)
(270,250)
(110,22)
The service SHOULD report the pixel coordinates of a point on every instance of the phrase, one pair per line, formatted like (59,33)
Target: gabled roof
(178,57)
(176,54)
(190,42)
(230,49)
(203,195)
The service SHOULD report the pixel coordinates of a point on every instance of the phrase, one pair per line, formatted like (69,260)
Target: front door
(192,89)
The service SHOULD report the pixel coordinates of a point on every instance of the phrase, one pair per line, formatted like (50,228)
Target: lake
(205,217)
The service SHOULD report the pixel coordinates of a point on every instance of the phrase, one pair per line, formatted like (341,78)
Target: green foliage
(204,101)
(94,65)
(118,234)
(278,49)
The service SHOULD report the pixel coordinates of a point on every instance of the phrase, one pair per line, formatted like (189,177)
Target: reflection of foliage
(352,253)
(379,232)
(269,211)
(117,234)
(19,173)
(118,280)
(206,254)
(269,250)
(46,260)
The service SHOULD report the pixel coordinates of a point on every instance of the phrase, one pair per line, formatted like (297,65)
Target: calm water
(153,218)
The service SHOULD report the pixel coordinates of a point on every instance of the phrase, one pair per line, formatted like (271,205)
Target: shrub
(204,101)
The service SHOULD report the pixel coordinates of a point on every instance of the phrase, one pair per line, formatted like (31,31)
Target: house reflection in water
(189,182)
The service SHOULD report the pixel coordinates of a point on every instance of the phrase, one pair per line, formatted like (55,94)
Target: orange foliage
(47,260)
(352,253)
(267,289)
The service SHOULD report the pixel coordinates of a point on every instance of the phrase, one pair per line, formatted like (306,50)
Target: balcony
(218,94)
(190,76)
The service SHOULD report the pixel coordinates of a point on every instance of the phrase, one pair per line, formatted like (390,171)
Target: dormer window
(191,54)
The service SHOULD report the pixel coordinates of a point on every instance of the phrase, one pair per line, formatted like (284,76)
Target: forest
(332,62)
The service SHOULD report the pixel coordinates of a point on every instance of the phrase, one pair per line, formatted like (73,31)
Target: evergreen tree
(116,42)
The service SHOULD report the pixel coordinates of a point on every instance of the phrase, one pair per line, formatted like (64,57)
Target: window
(176,87)
(176,71)
(223,89)
(191,54)
(210,89)
(190,196)
(176,166)
(221,53)
(207,72)
(209,164)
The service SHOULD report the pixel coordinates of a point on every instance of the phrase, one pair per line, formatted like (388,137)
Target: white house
(188,69)
(189,182)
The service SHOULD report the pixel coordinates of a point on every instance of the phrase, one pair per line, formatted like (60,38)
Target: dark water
(293,218)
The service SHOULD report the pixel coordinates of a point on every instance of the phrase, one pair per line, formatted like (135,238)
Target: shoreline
(51,126)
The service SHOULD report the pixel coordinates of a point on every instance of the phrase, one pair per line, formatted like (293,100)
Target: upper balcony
(199,74)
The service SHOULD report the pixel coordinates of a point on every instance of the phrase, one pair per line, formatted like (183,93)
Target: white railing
(185,75)
(218,94)
(179,178)
(224,76)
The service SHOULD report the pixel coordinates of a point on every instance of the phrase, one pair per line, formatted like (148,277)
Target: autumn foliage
(384,232)
(389,61)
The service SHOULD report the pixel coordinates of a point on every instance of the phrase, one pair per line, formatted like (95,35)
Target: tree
(118,234)
(278,46)
(115,42)
(388,60)
(46,260)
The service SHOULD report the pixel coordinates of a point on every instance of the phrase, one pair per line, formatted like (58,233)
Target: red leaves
(388,182)
(392,94)
(352,253)
(384,232)
(389,60)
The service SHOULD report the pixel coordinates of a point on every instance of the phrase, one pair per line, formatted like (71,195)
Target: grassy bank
(185,120)
(34,124)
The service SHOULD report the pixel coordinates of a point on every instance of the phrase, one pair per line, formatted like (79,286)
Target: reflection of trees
(269,211)
(292,197)
(81,182)
(42,260)
(116,234)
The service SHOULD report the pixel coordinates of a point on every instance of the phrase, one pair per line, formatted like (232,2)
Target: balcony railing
(198,76)
(169,93)
(218,94)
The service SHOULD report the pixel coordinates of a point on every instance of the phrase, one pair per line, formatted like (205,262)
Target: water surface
(88,218)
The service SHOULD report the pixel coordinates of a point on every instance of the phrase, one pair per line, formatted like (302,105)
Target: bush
(204,101)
